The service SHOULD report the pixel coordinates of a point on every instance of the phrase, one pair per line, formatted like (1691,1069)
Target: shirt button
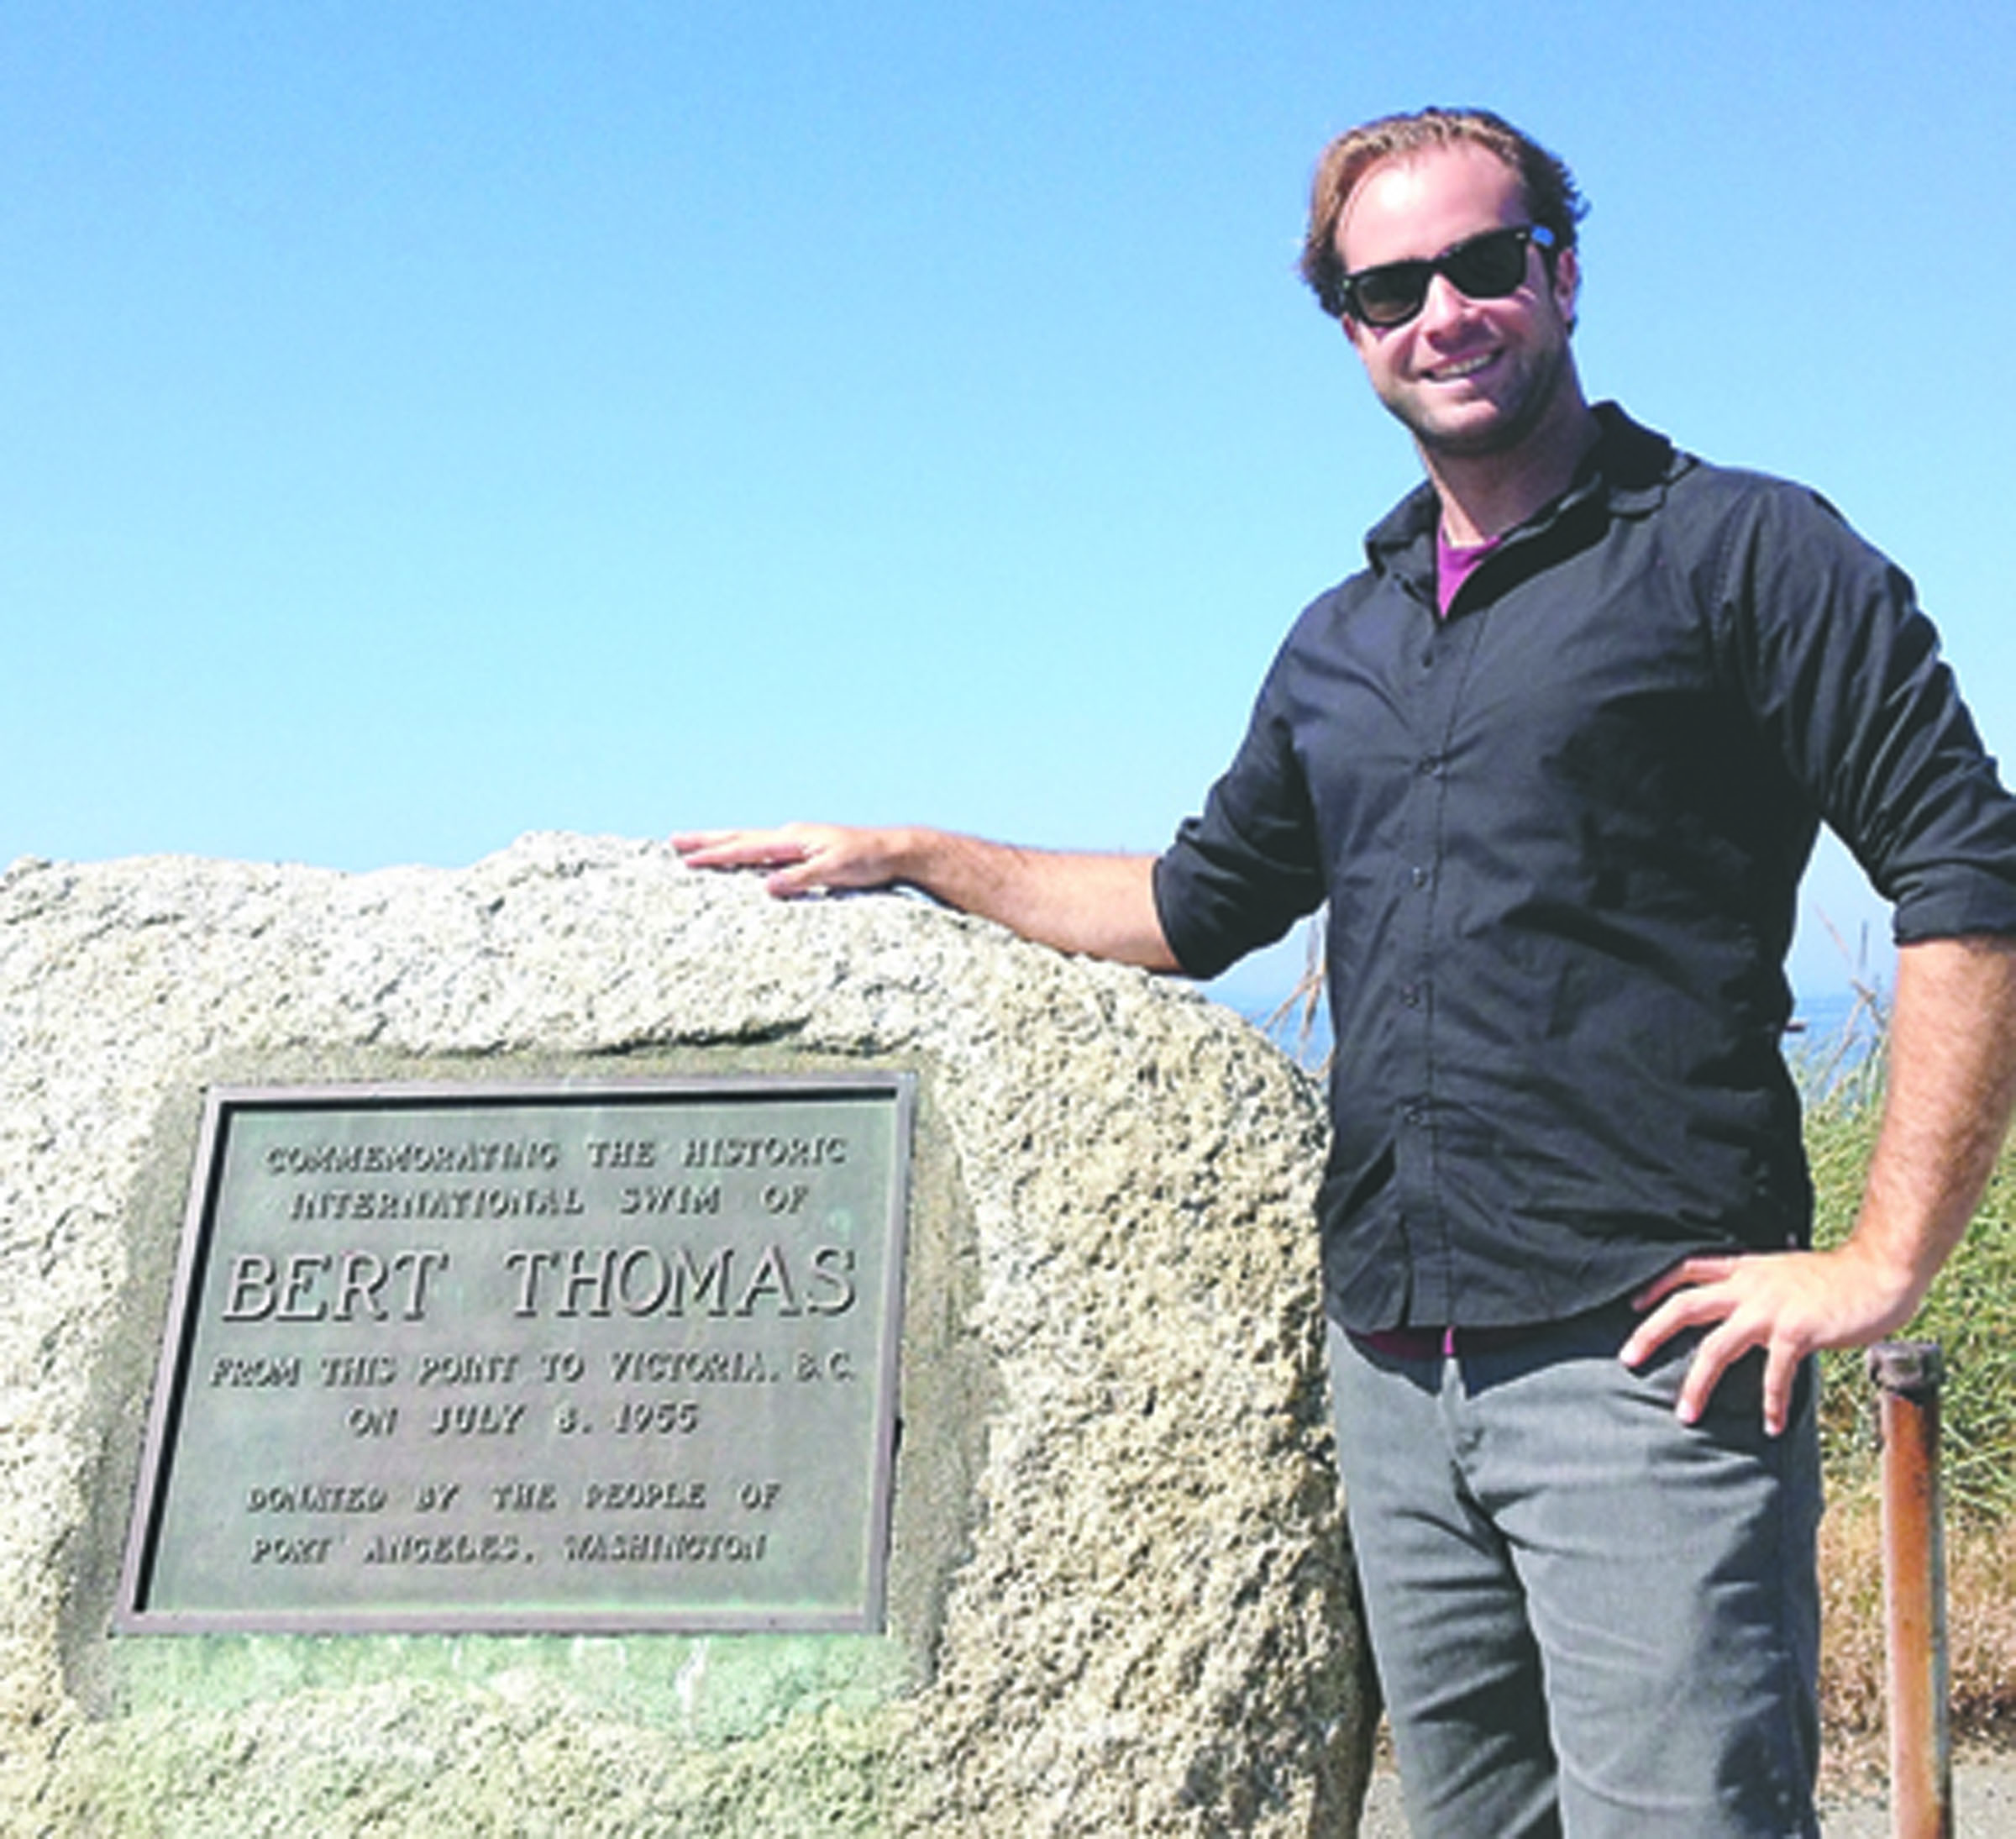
(1427,765)
(1410,996)
(1419,876)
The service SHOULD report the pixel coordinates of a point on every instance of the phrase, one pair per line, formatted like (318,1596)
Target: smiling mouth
(1461,368)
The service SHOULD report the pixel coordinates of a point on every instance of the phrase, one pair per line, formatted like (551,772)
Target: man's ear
(1568,285)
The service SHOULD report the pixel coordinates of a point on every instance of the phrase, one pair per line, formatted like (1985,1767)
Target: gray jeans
(1588,1618)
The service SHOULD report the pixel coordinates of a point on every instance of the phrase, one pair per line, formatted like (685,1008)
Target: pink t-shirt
(1454,566)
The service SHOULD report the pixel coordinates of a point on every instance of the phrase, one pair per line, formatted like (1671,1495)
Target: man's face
(1466,377)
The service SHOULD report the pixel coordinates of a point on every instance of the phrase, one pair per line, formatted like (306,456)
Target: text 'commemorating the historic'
(555,1358)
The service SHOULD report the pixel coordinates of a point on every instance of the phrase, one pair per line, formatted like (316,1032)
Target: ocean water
(1832,1030)
(1828,1013)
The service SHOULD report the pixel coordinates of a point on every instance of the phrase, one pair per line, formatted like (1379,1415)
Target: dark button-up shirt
(1560,833)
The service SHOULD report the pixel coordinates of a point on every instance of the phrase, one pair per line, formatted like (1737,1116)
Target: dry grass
(1981,1631)
(1851,1631)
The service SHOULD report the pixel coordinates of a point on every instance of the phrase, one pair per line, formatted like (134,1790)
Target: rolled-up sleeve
(1242,872)
(1845,672)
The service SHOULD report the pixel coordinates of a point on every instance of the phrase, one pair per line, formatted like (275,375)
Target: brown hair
(1551,198)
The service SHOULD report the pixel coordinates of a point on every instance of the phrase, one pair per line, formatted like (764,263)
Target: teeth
(1452,373)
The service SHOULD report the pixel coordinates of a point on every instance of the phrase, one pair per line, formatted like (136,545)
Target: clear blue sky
(430,422)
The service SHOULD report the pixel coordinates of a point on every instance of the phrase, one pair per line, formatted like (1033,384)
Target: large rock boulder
(1120,1595)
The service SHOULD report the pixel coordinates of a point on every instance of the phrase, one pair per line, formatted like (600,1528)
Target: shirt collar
(1629,467)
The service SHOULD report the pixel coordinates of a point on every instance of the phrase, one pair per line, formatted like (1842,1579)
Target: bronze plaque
(556,1358)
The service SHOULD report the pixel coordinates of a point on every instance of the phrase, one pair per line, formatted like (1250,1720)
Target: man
(1555,760)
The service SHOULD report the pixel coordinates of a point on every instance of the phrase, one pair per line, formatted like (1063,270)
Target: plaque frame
(138,1608)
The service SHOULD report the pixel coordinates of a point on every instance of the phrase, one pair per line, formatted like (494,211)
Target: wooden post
(1908,1376)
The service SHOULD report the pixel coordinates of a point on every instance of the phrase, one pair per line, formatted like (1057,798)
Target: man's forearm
(1102,905)
(1951,1081)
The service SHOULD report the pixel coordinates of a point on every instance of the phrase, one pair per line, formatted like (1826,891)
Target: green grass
(1971,1312)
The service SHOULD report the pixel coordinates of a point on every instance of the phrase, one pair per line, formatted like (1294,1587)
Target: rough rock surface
(1144,1626)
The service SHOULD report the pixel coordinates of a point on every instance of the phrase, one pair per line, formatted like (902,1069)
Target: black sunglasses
(1486,267)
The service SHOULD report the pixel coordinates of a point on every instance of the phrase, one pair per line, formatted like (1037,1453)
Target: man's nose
(1445,303)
